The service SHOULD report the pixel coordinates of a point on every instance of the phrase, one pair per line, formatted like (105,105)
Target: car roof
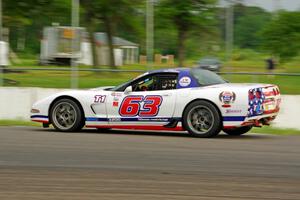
(171,70)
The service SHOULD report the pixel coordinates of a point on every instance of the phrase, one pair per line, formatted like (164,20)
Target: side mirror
(128,90)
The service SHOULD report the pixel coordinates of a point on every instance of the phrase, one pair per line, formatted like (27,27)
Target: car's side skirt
(138,127)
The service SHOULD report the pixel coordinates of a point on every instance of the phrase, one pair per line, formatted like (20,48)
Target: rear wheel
(202,119)
(66,116)
(238,131)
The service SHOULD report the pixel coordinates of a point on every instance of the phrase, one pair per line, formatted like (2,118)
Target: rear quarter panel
(234,109)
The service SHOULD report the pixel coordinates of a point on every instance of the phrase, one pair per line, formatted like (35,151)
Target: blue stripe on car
(91,119)
(39,116)
(234,118)
(124,119)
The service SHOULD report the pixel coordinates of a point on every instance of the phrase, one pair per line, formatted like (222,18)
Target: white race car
(195,100)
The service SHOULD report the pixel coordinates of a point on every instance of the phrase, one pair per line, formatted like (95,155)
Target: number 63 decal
(131,106)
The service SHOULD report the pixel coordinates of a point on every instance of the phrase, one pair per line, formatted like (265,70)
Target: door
(151,102)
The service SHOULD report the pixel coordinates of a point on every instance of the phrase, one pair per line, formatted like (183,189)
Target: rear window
(205,77)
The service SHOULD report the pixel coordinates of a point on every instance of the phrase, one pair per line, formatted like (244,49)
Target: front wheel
(202,119)
(238,131)
(66,116)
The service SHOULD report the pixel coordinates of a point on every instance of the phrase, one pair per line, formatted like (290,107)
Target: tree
(91,25)
(112,13)
(26,19)
(248,22)
(248,25)
(187,16)
(281,36)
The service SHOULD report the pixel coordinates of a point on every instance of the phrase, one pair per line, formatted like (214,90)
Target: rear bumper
(260,120)
(263,107)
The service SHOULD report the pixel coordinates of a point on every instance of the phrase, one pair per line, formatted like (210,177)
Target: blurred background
(83,44)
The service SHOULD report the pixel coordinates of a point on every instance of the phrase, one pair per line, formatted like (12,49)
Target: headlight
(35,111)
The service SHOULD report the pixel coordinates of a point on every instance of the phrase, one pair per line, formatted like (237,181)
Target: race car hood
(101,88)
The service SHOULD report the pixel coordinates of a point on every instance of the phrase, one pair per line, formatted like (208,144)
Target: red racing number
(131,106)
(151,106)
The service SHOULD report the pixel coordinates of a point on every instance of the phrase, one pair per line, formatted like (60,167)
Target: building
(125,52)
(4,47)
(60,44)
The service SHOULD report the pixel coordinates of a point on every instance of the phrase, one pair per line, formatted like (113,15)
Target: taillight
(276,91)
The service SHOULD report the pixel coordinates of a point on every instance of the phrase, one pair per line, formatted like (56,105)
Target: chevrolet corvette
(194,100)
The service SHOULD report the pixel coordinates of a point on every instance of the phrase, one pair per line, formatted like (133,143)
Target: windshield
(124,85)
(205,77)
(119,87)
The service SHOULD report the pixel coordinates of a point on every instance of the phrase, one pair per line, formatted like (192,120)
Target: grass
(275,131)
(243,61)
(52,79)
(18,123)
(264,130)
(287,84)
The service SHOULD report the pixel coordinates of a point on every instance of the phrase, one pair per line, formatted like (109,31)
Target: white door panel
(151,107)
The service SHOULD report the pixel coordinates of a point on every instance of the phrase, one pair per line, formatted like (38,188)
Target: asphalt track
(38,163)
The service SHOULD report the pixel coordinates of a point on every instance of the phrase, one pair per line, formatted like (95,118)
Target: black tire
(60,115)
(202,114)
(238,131)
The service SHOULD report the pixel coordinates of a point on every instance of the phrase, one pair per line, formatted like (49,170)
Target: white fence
(15,103)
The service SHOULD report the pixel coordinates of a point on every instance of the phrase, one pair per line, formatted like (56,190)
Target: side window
(146,84)
(167,82)
(156,82)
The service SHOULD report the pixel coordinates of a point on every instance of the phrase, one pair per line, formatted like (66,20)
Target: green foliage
(185,28)
(115,16)
(188,14)
(180,19)
(26,19)
(282,36)
(247,28)
(248,22)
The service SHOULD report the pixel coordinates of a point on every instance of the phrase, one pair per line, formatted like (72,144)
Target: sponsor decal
(124,119)
(185,81)
(115,103)
(114,119)
(116,94)
(227,111)
(154,119)
(99,98)
(227,98)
